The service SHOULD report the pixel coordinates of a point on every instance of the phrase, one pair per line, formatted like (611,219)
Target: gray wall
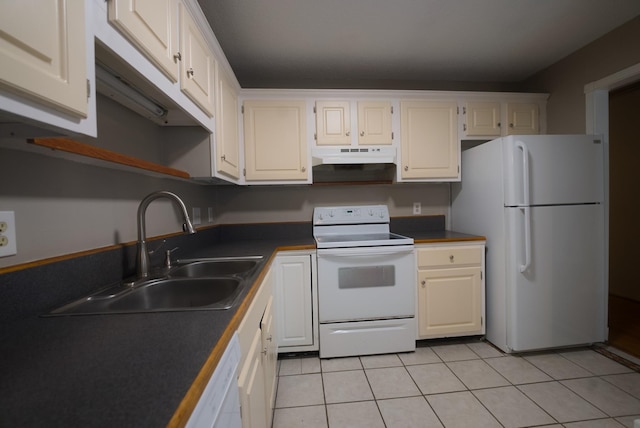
(566,79)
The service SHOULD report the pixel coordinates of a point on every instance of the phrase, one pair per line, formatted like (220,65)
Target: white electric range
(366,282)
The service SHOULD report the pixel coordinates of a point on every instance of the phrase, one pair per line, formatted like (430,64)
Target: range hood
(353,155)
(353,164)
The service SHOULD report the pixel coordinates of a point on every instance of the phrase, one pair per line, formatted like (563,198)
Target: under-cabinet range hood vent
(353,155)
(353,165)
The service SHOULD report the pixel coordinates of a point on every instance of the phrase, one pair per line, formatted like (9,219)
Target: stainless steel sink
(214,267)
(199,284)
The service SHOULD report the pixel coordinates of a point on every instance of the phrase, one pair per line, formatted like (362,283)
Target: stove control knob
(331,213)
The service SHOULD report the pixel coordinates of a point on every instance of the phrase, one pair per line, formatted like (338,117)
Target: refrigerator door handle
(527,239)
(525,171)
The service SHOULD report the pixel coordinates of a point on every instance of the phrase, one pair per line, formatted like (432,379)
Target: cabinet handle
(223,157)
(362,133)
(451,258)
(499,125)
(190,72)
(304,169)
(270,338)
(423,283)
(177,57)
(348,133)
(264,352)
(511,125)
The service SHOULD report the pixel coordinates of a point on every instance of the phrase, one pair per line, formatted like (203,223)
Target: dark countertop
(125,369)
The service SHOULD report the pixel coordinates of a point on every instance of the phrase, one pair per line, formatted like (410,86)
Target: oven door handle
(366,252)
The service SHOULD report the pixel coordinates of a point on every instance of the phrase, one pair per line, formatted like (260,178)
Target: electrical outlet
(210,214)
(417,208)
(195,218)
(8,245)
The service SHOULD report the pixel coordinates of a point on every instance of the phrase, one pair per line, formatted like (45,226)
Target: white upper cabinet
(152,25)
(523,119)
(43,53)
(275,140)
(333,123)
(197,66)
(482,119)
(227,146)
(374,123)
(430,148)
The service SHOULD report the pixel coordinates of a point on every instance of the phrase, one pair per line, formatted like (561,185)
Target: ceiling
(404,43)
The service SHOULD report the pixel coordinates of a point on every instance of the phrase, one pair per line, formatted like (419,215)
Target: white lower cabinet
(296,298)
(451,292)
(257,373)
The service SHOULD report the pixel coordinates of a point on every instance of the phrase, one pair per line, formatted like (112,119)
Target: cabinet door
(430,145)
(482,119)
(333,123)
(275,140)
(151,25)
(374,123)
(227,143)
(197,78)
(253,404)
(523,119)
(294,296)
(42,52)
(449,302)
(269,357)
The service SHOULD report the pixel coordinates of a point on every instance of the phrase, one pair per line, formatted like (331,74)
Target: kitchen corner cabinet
(227,146)
(430,148)
(523,119)
(43,53)
(152,26)
(257,369)
(275,140)
(297,302)
(374,123)
(451,292)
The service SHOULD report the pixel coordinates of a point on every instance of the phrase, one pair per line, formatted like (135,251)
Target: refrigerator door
(558,300)
(552,169)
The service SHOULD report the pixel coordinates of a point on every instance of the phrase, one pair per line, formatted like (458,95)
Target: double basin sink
(196,284)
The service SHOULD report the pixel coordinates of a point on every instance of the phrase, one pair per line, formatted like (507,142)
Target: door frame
(597,122)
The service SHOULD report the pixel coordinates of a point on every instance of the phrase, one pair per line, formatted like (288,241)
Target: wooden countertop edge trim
(188,403)
(82,149)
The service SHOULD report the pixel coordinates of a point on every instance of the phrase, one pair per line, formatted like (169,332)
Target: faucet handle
(167,259)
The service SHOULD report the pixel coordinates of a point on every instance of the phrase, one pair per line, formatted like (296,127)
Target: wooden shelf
(82,149)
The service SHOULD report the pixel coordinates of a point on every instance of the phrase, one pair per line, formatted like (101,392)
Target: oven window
(366,276)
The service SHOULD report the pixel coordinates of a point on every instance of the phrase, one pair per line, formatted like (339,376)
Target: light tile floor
(468,384)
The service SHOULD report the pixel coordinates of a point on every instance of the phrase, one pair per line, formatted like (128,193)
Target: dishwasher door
(219,405)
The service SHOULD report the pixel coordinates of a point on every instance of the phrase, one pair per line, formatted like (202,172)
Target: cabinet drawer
(452,256)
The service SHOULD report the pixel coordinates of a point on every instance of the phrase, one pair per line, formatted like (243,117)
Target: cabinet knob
(362,133)
(177,57)
(423,283)
(304,169)
(348,133)
(190,72)
(270,338)
(451,258)
(511,125)
(406,168)
(499,125)
(264,351)
(223,157)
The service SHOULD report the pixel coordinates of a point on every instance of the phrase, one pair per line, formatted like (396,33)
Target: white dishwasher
(219,405)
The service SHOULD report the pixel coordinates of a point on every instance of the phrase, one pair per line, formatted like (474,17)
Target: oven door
(366,283)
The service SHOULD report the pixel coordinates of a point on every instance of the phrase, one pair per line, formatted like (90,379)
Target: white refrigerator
(539,202)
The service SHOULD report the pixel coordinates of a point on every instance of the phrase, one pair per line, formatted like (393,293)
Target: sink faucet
(143,254)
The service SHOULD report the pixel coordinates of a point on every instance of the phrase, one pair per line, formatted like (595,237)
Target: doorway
(624,227)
